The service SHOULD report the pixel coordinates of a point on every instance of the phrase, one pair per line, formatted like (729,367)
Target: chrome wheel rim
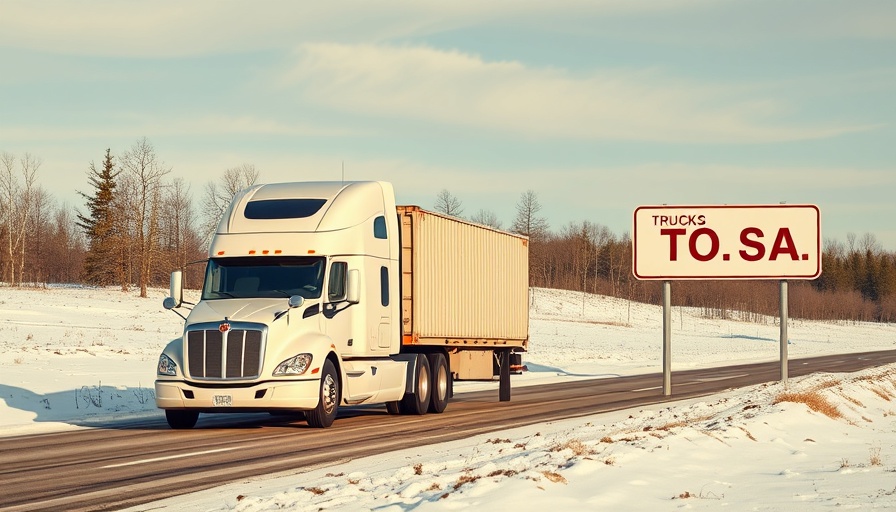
(328,393)
(442,382)
(423,384)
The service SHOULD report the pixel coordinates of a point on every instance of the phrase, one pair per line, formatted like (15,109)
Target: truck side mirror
(353,292)
(176,292)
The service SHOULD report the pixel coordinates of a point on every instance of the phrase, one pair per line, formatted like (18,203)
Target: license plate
(223,400)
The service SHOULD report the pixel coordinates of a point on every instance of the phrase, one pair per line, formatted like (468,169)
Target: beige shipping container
(463,284)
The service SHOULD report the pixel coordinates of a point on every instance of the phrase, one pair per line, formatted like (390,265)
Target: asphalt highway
(128,463)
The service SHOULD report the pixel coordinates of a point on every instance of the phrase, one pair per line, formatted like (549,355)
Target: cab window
(336,286)
(384,286)
(379,228)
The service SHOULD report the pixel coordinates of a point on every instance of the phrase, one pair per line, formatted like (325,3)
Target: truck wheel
(441,383)
(323,415)
(181,420)
(417,400)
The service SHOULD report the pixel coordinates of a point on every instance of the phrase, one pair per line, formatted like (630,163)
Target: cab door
(339,316)
(382,289)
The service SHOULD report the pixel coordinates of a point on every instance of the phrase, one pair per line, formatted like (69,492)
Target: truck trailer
(326,294)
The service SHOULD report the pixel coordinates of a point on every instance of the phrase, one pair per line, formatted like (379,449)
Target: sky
(599,106)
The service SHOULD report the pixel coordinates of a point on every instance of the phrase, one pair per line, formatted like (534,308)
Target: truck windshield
(263,277)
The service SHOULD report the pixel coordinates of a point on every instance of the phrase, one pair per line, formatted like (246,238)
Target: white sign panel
(727,242)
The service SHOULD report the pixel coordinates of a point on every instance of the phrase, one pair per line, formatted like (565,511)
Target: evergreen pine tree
(99,225)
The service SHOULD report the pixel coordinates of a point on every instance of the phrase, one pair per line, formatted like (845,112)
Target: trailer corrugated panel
(462,283)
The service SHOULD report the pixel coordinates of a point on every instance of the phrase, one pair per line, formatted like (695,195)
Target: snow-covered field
(74,357)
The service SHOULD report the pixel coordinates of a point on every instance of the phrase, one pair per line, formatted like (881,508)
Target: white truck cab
(301,310)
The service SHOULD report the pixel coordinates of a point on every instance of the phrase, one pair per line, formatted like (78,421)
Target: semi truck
(320,295)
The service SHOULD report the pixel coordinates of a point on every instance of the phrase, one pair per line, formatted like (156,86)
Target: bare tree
(448,204)
(487,218)
(124,217)
(146,171)
(218,195)
(580,247)
(66,248)
(619,260)
(527,221)
(37,235)
(18,198)
(181,242)
(178,220)
(599,238)
(869,243)
(9,185)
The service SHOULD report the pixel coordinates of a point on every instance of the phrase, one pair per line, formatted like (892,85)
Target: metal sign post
(783,330)
(667,338)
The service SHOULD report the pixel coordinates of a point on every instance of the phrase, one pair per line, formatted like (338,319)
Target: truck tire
(441,379)
(416,401)
(323,415)
(181,420)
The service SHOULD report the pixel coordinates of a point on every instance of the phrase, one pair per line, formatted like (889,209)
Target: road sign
(727,242)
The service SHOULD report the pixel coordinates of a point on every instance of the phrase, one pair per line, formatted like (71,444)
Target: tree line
(858,280)
(138,222)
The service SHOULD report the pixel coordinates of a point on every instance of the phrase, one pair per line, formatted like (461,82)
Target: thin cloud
(246,125)
(203,125)
(203,27)
(784,177)
(748,23)
(206,27)
(450,87)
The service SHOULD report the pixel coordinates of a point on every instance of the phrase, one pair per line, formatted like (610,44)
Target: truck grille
(235,354)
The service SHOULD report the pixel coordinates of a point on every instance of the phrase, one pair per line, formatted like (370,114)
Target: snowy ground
(76,357)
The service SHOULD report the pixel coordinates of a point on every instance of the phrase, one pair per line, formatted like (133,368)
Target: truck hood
(261,311)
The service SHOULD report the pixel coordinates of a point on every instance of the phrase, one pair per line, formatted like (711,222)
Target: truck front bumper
(295,395)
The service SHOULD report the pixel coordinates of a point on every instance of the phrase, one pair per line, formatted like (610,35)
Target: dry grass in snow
(812,398)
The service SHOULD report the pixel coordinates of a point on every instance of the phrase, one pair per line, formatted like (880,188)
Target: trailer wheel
(323,415)
(417,401)
(441,390)
(181,420)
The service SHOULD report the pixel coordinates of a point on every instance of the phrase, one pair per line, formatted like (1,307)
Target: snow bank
(73,357)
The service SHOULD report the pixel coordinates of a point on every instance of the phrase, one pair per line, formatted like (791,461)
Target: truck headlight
(294,365)
(167,366)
